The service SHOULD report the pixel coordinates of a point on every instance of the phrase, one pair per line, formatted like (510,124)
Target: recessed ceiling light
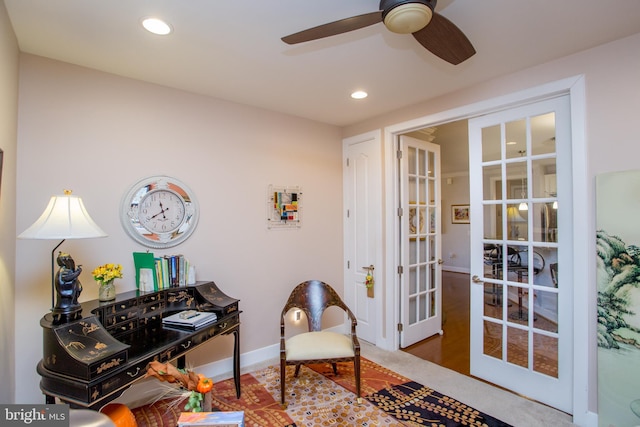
(511,143)
(359,94)
(156,26)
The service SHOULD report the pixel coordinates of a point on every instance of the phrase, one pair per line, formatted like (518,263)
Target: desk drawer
(122,328)
(193,341)
(223,325)
(120,306)
(151,310)
(120,380)
(150,299)
(120,317)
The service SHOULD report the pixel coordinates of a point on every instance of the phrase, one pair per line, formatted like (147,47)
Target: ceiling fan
(418,17)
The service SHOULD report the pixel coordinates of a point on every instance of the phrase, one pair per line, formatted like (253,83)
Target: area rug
(320,398)
(317,397)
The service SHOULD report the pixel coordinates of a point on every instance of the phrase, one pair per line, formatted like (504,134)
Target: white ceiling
(232,49)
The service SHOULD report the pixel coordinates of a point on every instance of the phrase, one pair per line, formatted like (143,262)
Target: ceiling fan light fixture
(408,18)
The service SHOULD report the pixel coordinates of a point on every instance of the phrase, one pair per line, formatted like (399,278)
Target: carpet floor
(318,397)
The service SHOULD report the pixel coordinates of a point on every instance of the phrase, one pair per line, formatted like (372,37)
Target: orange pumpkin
(204,384)
(120,415)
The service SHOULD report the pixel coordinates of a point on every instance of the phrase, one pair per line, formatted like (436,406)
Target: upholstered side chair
(316,345)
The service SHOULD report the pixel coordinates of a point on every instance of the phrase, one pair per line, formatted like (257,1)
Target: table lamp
(64,218)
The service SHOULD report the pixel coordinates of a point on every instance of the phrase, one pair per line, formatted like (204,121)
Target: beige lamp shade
(513,215)
(64,218)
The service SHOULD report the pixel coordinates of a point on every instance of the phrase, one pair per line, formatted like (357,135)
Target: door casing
(583,245)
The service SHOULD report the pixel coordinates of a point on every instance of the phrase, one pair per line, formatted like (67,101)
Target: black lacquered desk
(91,360)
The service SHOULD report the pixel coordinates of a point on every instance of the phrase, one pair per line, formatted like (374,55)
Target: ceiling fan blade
(333,28)
(445,40)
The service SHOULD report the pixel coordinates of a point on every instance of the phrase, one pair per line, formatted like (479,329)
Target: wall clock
(159,212)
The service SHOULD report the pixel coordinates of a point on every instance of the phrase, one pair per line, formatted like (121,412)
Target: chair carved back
(313,297)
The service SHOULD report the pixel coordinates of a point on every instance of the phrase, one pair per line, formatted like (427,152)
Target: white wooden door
(420,240)
(521,302)
(363,230)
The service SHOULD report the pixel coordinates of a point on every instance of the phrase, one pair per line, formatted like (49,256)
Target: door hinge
(347,162)
(400,269)
(400,212)
(348,264)
(347,213)
(399,327)
(399,154)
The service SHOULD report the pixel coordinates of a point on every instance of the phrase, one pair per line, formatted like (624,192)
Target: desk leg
(236,360)
(181,362)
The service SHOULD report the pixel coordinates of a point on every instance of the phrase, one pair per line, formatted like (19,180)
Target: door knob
(476,279)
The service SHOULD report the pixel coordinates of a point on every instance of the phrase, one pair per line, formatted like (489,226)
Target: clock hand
(162,210)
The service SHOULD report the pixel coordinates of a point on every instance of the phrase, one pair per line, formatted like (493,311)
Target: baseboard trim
(224,367)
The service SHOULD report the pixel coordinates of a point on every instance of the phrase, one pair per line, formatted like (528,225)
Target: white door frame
(583,221)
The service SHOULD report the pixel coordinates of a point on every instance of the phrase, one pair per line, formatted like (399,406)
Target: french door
(521,239)
(420,240)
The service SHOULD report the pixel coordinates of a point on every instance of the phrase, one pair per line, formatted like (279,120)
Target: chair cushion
(318,345)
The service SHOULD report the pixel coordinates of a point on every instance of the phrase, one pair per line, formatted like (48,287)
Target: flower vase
(106,291)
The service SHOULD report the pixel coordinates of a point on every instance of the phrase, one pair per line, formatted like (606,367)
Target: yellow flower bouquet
(107,273)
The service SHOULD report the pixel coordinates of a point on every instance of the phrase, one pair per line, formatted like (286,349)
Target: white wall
(455,237)
(8,140)
(98,134)
(612,100)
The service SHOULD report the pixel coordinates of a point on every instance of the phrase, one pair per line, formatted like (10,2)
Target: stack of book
(172,271)
(169,271)
(190,319)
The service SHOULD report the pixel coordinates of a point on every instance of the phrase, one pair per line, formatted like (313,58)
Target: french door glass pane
(542,141)
(492,344)
(491,143)
(545,360)
(518,346)
(515,138)
(520,233)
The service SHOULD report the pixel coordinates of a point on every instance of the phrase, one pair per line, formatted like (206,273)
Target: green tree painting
(618,276)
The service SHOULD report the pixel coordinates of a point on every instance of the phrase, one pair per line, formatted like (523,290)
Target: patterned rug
(320,398)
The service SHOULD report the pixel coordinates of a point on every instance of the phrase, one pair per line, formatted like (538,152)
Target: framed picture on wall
(460,214)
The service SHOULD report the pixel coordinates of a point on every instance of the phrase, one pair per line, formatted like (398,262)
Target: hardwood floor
(451,349)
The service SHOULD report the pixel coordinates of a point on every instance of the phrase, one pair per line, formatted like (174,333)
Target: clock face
(159,212)
(162,211)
